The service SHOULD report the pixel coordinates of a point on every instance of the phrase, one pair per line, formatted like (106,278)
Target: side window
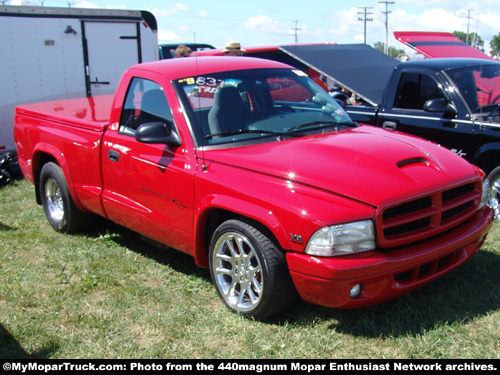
(415,89)
(145,102)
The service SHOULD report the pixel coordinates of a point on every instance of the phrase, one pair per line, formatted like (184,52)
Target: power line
(387,3)
(468,21)
(362,16)
(295,29)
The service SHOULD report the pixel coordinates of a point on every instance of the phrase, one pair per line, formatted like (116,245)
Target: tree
(472,38)
(495,45)
(392,51)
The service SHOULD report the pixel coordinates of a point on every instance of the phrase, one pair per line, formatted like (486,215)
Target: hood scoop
(411,161)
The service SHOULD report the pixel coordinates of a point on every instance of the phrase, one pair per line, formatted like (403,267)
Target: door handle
(113,155)
(389,125)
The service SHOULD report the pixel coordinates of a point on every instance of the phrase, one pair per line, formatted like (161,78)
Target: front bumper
(385,275)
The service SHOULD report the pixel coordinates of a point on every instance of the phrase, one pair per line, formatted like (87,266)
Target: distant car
(167,51)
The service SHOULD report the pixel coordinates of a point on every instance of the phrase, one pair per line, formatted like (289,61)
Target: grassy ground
(106,294)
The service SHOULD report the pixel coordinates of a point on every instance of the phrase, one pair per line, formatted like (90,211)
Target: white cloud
(175,10)
(180,7)
(165,36)
(25,2)
(266,24)
(429,20)
(85,4)
(344,27)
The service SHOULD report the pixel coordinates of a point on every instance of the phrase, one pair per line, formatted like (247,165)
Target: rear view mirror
(158,132)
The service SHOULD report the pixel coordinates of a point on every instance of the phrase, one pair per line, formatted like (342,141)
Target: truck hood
(357,67)
(366,164)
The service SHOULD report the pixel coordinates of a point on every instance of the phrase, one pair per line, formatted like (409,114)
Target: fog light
(355,291)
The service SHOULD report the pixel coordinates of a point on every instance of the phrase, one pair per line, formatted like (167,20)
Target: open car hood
(438,44)
(358,67)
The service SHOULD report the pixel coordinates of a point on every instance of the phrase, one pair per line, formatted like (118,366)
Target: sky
(271,22)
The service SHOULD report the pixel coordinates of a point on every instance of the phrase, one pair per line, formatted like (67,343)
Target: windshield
(238,106)
(479,85)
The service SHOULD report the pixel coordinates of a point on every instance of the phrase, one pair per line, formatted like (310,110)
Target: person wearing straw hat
(233,49)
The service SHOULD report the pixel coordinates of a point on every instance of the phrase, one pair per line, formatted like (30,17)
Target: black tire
(494,178)
(249,270)
(58,205)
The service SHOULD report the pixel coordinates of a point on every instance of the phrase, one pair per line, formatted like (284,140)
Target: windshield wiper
(247,131)
(317,124)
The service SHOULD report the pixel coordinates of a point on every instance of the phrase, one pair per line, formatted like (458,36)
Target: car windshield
(249,105)
(479,85)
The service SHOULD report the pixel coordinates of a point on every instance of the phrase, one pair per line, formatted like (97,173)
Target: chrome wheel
(54,199)
(58,205)
(237,271)
(495,197)
(249,270)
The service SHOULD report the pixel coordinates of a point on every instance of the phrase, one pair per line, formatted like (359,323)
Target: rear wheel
(494,178)
(58,205)
(249,271)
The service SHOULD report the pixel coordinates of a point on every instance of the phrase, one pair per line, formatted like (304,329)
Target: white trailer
(61,53)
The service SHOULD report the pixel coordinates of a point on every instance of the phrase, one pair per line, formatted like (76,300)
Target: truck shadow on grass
(466,293)
(5,228)
(11,349)
(162,254)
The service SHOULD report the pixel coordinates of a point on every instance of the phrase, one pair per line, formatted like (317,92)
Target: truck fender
(487,156)
(45,149)
(235,207)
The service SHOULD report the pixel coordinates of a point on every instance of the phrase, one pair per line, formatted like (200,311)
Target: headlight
(342,239)
(486,195)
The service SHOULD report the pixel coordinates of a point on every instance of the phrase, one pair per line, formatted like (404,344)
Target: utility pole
(295,29)
(387,3)
(468,21)
(362,16)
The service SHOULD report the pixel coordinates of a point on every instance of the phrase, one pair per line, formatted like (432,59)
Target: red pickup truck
(250,167)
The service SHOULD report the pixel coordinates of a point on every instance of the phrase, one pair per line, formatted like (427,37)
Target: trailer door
(111,48)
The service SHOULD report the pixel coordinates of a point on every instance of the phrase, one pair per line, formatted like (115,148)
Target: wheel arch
(222,209)
(487,157)
(44,154)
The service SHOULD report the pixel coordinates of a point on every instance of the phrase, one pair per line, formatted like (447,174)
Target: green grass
(107,294)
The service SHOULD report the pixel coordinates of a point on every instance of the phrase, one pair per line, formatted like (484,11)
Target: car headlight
(486,195)
(342,239)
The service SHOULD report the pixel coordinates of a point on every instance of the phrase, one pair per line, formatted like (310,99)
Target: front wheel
(58,205)
(249,271)
(494,178)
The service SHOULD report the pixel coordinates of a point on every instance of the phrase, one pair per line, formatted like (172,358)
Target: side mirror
(440,105)
(340,98)
(158,132)
(341,103)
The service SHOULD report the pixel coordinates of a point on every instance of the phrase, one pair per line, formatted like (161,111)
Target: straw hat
(233,46)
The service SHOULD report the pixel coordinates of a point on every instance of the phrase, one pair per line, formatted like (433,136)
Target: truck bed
(89,113)
(75,127)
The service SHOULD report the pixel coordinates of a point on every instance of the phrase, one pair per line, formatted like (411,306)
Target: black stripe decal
(417,44)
